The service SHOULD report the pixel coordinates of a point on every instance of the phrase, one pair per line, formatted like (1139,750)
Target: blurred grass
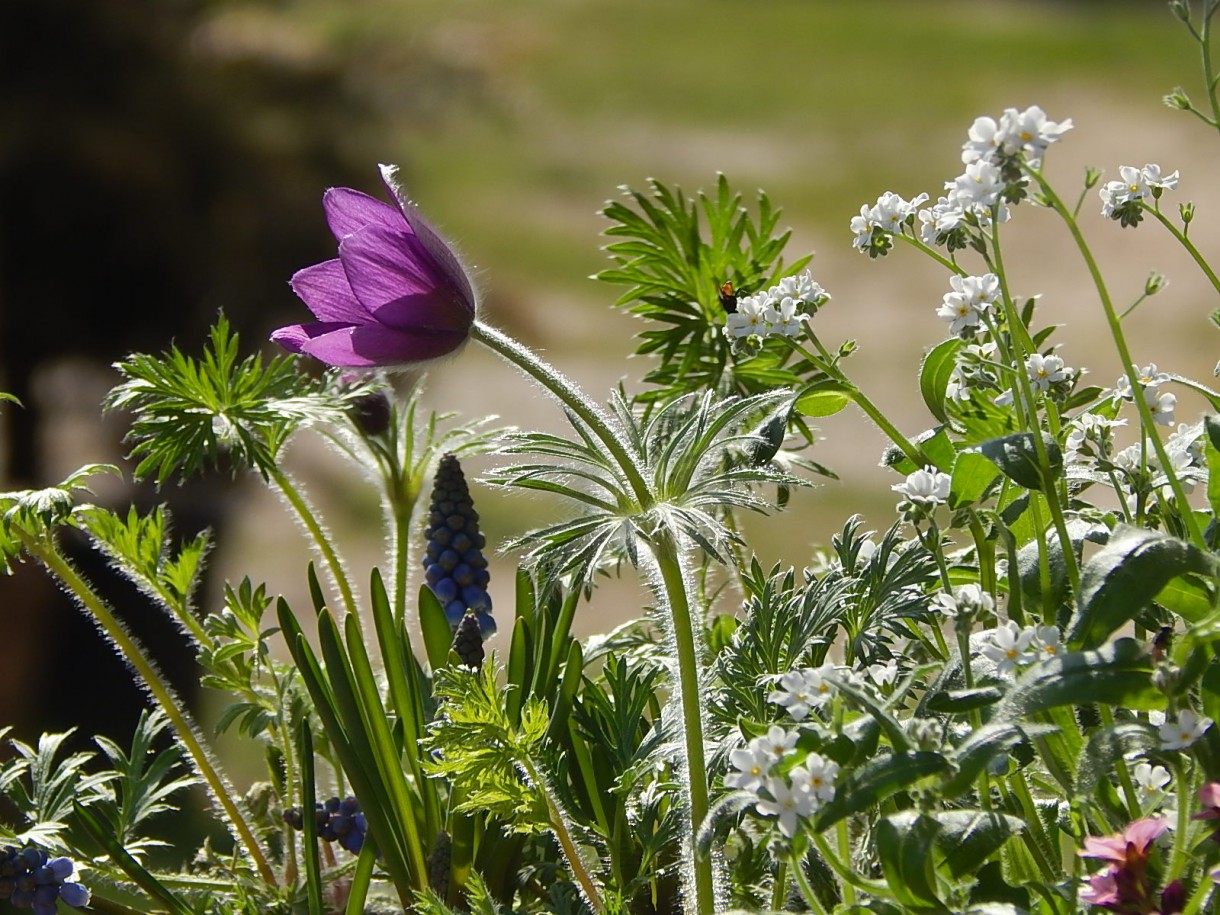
(514,121)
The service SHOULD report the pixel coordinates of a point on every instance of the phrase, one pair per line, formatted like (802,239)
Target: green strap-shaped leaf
(904,845)
(103,834)
(309,825)
(1116,674)
(934,376)
(438,634)
(1123,577)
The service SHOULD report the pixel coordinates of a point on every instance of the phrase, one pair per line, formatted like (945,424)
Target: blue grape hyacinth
(335,821)
(32,879)
(454,565)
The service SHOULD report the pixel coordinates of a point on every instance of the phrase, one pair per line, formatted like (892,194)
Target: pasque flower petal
(348,211)
(325,289)
(366,345)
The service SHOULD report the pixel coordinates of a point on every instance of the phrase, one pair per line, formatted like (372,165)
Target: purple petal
(348,211)
(441,251)
(325,289)
(366,346)
(294,337)
(399,283)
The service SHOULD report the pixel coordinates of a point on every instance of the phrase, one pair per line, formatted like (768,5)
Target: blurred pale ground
(532,113)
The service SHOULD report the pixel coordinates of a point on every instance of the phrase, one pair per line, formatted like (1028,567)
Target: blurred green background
(162,159)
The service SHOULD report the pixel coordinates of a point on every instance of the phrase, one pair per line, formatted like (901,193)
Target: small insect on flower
(728,299)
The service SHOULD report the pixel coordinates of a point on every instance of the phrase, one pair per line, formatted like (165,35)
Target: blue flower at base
(32,879)
(454,565)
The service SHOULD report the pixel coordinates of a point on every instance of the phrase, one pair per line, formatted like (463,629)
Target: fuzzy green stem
(690,691)
(559,826)
(673,582)
(811,898)
(297,501)
(133,653)
(571,397)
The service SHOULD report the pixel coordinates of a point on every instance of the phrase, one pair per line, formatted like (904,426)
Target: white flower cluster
(971,298)
(970,368)
(1009,645)
(1161,404)
(1184,448)
(1181,734)
(1045,371)
(886,217)
(1089,436)
(927,486)
(1025,133)
(802,690)
(967,601)
(1137,184)
(798,794)
(776,311)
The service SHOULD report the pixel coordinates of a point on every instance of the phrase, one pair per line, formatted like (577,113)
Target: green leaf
(876,780)
(824,398)
(903,843)
(1122,578)
(969,837)
(309,826)
(100,833)
(972,474)
(1017,457)
(438,634)
(1119,674)
(1211,448)
(934,376)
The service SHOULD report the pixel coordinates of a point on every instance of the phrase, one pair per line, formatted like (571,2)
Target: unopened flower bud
(439,863)
(1187,212)
(1155,283)
(468,641)
(371,413)
(1092,174)
(1181,9)
(1166,678)
(1178,100)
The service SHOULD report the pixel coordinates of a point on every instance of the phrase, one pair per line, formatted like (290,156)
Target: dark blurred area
(152,173)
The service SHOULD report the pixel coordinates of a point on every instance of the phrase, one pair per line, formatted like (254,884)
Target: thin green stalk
(290,492)
(1124,353)
(826,363)
(1035,835)
(779,888)
(848,875)
(1187,244)
(1027,395)
(133,653)
(932,253)
(845,849)
(560,827)
(1209,76)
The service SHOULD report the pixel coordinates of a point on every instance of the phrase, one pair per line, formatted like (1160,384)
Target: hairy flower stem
(567,393)
(807,893)
(673,577)
(559,827)
(334,566)
(1124,353)
(673,583)
(133,653)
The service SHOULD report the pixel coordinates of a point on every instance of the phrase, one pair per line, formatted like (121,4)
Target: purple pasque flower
(396,294)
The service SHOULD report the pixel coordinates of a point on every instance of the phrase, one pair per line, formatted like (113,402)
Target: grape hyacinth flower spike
(396,294)
(32,879)
(454,565)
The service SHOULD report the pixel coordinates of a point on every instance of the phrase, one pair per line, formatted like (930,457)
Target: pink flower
(1123,885)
